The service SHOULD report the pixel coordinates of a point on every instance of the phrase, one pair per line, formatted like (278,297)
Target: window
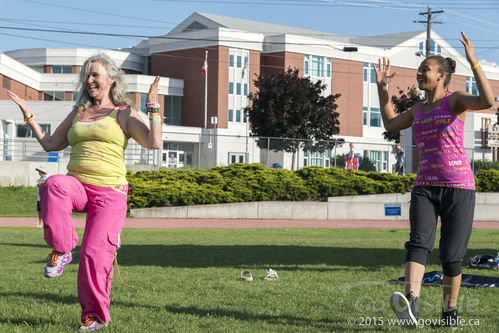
(471,86)
(231,60)
(237,158)
(143,101)
(379,159)
(38,68)
(238,116)
(435,49)
(238,89)
(239,61)
(245,89)
(375,117)
(245,116)
(59,69)
(53,95)
(328,67)
(231,115)
(24,131)
(373,74)
(231,88)
(317,158)
(317,66)
(172,110)
(375,157)
(306,64)
(369,74)
(364,115)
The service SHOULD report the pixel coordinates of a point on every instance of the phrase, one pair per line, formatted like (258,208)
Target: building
(237,51)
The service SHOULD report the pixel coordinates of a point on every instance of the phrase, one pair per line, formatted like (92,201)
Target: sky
(82,23)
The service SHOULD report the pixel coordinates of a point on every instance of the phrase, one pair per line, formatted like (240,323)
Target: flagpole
(206,91)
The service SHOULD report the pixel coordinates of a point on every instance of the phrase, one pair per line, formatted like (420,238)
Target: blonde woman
(97,129)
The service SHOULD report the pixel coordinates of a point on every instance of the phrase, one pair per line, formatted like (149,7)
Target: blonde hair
(118,92)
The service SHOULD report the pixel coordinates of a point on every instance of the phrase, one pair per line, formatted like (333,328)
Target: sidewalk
(240,223)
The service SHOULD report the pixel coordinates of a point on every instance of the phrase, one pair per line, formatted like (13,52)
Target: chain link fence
(203,151)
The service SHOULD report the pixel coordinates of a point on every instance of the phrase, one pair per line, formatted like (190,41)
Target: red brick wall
(18,88)
(347,80)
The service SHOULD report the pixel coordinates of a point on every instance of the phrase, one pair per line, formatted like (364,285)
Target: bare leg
(451,290)
(413,276)
(40,221)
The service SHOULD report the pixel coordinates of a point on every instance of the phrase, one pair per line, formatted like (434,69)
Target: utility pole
(428,23)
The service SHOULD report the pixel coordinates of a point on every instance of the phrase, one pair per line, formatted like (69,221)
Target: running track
(240,223)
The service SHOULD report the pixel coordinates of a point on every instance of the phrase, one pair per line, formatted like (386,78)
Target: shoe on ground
(270,275)
(450,318)
(39,225)
(91,323)
(56,263)
(405,308)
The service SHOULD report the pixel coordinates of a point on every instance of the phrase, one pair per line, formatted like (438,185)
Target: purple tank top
(442,158)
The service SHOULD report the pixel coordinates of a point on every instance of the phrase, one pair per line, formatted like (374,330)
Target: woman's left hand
(152,95)
(469,49)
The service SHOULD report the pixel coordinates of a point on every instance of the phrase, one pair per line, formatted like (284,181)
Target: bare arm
(58,140)
(391,120)
(150,138)
(461,101)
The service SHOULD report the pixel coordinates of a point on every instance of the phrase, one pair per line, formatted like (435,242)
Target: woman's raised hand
(383,76)
(20,102)
(152,95)
(469,49)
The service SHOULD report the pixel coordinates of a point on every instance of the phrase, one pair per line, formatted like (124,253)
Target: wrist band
(154,108)
(154,118)
(30,119)
(477,64)
(151,105)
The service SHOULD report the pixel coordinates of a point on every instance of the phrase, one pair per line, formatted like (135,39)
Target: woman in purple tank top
(445,184)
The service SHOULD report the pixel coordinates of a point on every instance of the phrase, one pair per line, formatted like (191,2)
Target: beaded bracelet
(153,107)
(30,119)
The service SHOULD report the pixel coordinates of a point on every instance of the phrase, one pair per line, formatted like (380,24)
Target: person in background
(399,157)
(39,182)
(97,129)
(352,160)
(445,185)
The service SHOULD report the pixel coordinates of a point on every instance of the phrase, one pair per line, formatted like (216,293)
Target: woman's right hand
(21,103)
(383,76)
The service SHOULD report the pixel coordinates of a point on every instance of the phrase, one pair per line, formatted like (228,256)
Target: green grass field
(187,280)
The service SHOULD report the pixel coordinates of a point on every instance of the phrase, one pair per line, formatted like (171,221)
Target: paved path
(240,223)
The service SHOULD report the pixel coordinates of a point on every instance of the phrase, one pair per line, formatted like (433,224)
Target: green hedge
(253,182)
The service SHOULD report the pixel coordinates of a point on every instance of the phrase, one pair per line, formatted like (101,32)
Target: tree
(292,108)
(401,104)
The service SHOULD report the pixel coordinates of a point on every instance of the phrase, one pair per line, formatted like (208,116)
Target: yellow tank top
(97,150)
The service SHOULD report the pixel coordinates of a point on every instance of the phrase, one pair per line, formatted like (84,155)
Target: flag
(245,67)
(204,69)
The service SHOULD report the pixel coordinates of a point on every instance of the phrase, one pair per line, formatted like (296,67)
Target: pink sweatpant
(106,213)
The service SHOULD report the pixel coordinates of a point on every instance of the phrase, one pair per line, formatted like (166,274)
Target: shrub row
(253,182)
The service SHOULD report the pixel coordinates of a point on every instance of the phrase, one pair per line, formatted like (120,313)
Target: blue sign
(53,156)
(393,209)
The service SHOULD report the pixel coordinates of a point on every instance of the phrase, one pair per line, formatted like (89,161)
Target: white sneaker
(92,324)
(56,263)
